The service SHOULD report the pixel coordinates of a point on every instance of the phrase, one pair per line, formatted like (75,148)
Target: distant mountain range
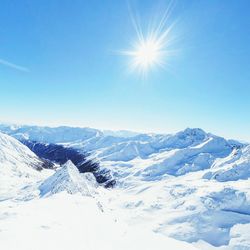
(190,185)
(186,151)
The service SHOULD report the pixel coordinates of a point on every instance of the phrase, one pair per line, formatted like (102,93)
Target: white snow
(234,167)
(17,166)
(191,186)
(65,221)
(68,179)
(66,210)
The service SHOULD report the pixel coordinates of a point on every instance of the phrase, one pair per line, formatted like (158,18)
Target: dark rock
(60,154)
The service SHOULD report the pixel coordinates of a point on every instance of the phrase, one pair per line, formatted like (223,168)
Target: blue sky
(58,65)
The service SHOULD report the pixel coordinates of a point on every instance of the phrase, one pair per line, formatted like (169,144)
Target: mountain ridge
(192,186)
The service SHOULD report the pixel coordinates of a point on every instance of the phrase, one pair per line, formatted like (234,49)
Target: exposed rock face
(61,154)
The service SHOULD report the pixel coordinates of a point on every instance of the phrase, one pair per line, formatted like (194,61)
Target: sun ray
(153,47)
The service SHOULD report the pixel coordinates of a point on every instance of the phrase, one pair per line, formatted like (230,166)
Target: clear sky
(59,66)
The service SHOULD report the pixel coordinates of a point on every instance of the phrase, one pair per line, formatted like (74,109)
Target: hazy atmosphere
(124,125)
(61,62)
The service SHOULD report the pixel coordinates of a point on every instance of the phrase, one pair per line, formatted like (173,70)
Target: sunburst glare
(152,47)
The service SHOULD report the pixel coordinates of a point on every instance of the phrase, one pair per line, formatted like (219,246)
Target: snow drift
(192,186)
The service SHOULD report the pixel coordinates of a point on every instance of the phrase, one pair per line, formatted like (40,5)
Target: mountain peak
(69,179)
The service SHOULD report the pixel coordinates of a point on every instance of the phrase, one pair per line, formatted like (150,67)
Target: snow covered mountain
(115,147)
(17,161)
(69,179)
(232,168)
(65,207)
(48,134)
(192,186)
(18,164)
(60,154)
(14,153)
(154,155)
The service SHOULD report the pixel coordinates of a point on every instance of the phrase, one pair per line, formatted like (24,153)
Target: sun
(152,47)
(147,54)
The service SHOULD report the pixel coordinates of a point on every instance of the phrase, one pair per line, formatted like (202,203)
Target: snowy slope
(62,209)
(155,155)
(18,165)
(68,179)
(65,222)
(192,186)
(47,134)
(232,168)
(12,152)
(110,147)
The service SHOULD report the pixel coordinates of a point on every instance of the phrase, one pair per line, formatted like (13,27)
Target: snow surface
(18,166)
(192,186)
(68,179)
(65,221)
(66,210)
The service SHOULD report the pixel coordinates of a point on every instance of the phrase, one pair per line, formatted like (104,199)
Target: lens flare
(152,48)
(147,54)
